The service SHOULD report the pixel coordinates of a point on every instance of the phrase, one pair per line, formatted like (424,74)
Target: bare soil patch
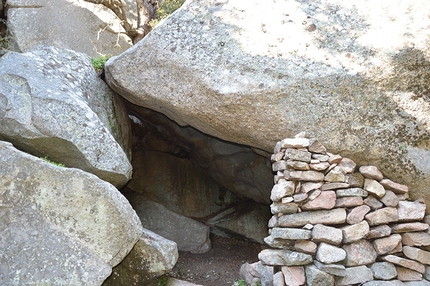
(218,267)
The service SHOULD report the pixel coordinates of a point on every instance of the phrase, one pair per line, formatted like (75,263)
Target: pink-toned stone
(409,227)
(417,254)
(316,147)
(410,264)
(355,232)
(359,253)
(348,202)
(294,275)
(310,186)
(416,239)
(321,166)
(395,187)
(323,233)
(371,172)
(390,199)
(311,176)
(404,274)
(411,211)
(334,158)
(298,165)
(306,246)
(326,200)
(347,165)
(357,214)
(329,217)
(374,188)
(334,186)
(373,202)
(382,216)
(386,244)
(379,231)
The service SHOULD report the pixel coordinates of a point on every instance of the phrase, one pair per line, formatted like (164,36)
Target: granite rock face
(52,104)
(59,226)
(232,68)
(81,26)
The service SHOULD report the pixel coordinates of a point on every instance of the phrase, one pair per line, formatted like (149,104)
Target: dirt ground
(218,267)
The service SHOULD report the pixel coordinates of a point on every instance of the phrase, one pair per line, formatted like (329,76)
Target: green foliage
(99,62)
(53,163)
(241,282)
(162,281)
(166,8)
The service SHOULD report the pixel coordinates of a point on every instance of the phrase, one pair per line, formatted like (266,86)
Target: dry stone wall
(335,223)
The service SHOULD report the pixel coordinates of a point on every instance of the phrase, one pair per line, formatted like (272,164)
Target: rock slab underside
(354,75)
(52,104)
(60,226)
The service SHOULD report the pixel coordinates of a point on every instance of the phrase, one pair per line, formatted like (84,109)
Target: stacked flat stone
(335,223)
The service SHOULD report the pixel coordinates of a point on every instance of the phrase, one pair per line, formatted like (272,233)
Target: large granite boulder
(53,104)
(189,235)
(70,24)
(59,226)
(352,74)
(151,257)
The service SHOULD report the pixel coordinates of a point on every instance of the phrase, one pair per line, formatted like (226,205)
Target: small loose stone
(374,188)
(348,202)
(371,172)
(334,186)
(395,187)
(326,200)
(351,192)
(357,214)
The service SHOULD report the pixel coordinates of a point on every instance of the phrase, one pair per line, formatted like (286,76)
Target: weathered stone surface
(335,175)
(55,225)
(416,239)
(275,257)
(379,231)
(82,26)
(244,221)
(320,166)
(409,227)
(357,214)
(52,104)
(373,202)
(390,199)
(383,270)
(410,211)
(386,244)
(355,180)
(333,186)
(290,233)
(410,264)
(309,186)
(334,158)
(417,254)
(374,188)
(384,283)
(334,216)
(382,216)
(316,277)
(328,253)
(306,246)
(371,172)
(189,235)
(285,208)
(355,232)
(393,186)
(348,202)
(323,233)
(333,269)
(325,201)
(282,189)
(294,275)
(311,176)
(359,253)
(297,165)
(351,192)
(298,155)
(279,166)
(405,274)
(151,257)
(347,165)
(355,275)
(295,143)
